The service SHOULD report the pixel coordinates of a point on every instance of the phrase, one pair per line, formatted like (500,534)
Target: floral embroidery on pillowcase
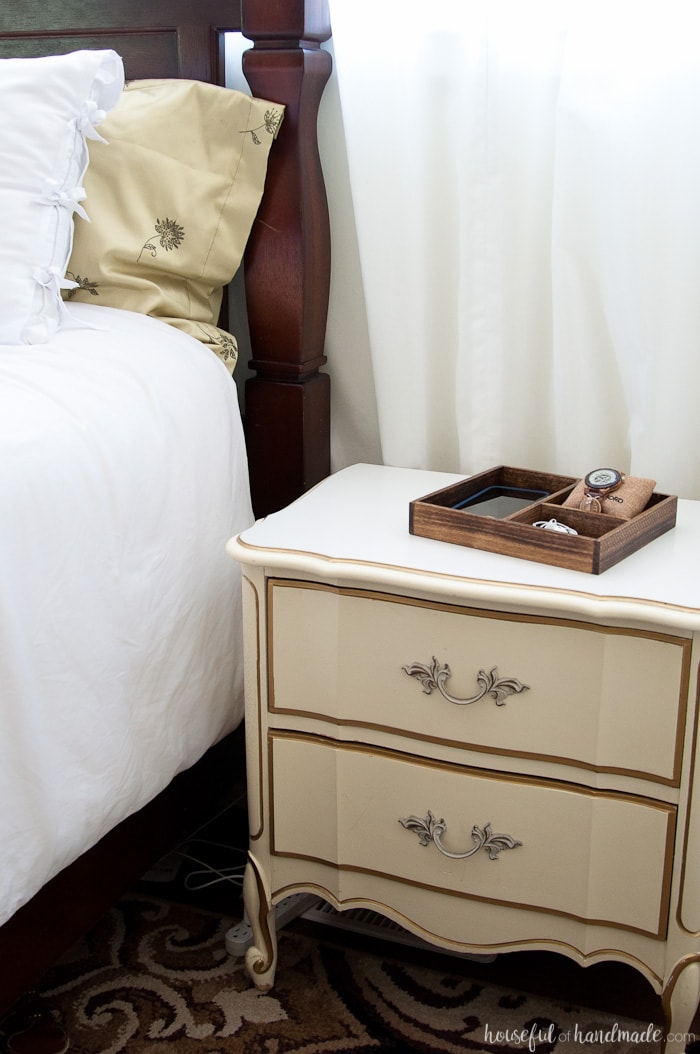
(170,235)
(271,123)
(226,347)
(83,285)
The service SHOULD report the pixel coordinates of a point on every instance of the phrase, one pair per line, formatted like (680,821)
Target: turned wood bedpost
(287,403)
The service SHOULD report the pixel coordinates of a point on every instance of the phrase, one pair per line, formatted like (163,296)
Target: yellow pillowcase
(172,196)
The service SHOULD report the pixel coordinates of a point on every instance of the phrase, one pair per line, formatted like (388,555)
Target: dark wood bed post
(290,237)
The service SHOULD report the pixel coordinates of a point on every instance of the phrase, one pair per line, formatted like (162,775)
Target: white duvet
(122,476)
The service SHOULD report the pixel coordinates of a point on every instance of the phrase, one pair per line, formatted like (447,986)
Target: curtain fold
(524,185)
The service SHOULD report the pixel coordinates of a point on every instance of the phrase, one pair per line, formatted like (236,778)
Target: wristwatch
(598,485)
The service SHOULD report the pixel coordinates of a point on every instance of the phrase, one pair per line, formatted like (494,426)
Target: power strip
(165,869)
(240,937)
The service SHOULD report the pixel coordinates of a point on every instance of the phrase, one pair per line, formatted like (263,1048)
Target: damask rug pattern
(153,977)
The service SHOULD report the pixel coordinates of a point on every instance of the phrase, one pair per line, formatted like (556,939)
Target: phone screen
(500,502)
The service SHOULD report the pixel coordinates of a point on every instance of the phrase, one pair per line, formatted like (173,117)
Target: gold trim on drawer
(254,835)
(351,800)
(498,740)
(564,947)
(690,868)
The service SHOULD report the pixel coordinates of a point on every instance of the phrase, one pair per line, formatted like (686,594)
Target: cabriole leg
(680,1002)
(261,957)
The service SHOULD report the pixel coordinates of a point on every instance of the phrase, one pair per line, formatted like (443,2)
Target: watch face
(602,478)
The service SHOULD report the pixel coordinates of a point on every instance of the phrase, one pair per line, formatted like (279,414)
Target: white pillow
(49,107)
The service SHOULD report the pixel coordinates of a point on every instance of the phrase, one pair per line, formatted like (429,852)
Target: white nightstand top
(354,525)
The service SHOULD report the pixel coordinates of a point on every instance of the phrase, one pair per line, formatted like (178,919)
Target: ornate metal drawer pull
(436,675)
(429,830)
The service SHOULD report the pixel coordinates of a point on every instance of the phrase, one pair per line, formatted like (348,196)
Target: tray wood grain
(601,542)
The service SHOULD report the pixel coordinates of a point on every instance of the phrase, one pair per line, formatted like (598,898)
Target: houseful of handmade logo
(537,1037)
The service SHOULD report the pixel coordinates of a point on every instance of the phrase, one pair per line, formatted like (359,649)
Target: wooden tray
(601,542)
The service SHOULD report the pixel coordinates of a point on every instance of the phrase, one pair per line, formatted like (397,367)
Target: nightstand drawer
(502,683)
(525,843)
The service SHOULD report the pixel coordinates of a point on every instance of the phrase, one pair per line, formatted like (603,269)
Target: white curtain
(523,202)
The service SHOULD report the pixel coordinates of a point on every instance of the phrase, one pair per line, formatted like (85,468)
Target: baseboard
(371,924)
(355,920)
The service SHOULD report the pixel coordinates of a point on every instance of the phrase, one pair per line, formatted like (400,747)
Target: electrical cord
(209,875)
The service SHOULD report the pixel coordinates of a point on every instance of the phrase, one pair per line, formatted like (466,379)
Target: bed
(126,462)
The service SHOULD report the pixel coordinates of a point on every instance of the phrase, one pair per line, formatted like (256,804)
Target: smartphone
(499,501)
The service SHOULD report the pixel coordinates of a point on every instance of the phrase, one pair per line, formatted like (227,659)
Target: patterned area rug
(153,977)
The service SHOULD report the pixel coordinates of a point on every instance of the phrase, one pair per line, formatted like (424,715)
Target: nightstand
(497,754)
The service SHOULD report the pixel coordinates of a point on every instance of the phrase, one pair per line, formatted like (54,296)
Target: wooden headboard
(287,263)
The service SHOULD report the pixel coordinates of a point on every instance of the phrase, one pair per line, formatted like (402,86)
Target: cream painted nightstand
(494,753)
